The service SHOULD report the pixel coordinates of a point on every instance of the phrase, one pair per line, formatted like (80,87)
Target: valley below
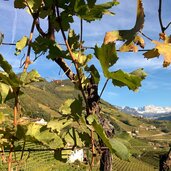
(144,134)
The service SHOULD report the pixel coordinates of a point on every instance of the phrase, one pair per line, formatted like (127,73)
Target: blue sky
(156,88)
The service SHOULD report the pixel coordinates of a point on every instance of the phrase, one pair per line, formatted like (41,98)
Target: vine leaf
(72,138)
(58,125)
(163,49)
(10,76)
(21,44)
(114,145)
(94,72)
(65,108)
(73,40)
(129,36)
(72,107)
(32,76)
(4,91)
(42,134)
(91,12)
(131,80)
(107,57)
(34,5)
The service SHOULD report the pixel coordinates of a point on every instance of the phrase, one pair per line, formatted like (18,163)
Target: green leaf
(42,134)
(94,72)
(72,107)
(128,35)
(66,107)
(14,81)
(21,44)
(81,59)
(55,51)
(131,80)
(40,44)
(1,38)
(58,125)
(66,19)
(114,145)
(73,40)
(90,11)
(32,76)
(4,91)
(107,56)
(77,106)
(72,138)
(21,131)
(119,149)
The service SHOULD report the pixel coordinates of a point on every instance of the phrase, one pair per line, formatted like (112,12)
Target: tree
(60,14)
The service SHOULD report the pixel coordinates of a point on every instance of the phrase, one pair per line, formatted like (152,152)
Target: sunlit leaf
(128,35)
(107,56)
(43,135)
(32,76)
(164,49)
(4,91)
(131,80)
(82,59)
(21,44)
(73,40)
(58,125)
(114,145)
(72,138)
(66,107)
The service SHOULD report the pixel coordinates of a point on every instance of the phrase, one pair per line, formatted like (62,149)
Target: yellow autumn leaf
(164,49)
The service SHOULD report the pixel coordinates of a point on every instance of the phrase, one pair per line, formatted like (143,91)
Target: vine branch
(103,88)
(145,37)
(160,17)
(28,61)
(163,29)
(72,56)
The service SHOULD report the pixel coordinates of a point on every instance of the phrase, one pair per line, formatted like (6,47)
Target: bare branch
(160,17)
(145,37)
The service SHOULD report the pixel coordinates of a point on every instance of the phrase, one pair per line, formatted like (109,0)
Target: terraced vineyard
(45,161)
(132,165)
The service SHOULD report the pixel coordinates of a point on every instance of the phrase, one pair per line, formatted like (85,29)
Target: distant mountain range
(150,111)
